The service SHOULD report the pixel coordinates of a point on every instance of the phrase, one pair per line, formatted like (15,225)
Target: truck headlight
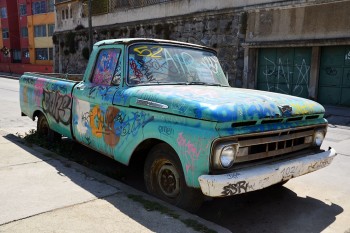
(224,155)
(318,137)
(227,157)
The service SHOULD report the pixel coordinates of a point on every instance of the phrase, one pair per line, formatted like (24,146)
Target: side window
(106,66)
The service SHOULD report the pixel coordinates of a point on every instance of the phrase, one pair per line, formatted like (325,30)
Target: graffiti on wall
(347,56)
(284,78)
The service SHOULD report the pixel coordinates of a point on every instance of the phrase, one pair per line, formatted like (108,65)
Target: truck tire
(164,178)
(44,130)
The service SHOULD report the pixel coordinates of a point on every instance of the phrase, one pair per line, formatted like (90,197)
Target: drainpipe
(90,28)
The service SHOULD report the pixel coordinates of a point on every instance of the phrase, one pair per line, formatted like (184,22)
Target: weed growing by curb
(60,147)
(154,206)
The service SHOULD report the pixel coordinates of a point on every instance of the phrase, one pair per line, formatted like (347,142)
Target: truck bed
(51,95)
(70,77)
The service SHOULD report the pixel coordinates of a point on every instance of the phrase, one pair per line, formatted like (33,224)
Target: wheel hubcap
(168,180)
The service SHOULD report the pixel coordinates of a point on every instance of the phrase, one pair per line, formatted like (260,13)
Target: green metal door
(334,81)
(284,70)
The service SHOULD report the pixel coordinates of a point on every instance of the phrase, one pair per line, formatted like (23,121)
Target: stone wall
(223,31)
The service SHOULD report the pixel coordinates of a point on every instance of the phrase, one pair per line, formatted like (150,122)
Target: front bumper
(264,175)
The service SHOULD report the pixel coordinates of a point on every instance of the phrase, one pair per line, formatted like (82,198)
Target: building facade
(27,35)
(299,48)
(9,32)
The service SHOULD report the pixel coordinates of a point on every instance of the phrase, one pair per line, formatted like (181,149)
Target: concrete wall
(18,68)
(324,21)
(156,11)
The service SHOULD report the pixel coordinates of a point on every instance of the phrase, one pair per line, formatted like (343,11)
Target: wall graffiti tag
(280,76)
(347,56)
(331,71)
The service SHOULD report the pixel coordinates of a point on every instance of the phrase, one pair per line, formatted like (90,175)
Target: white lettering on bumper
(262,176)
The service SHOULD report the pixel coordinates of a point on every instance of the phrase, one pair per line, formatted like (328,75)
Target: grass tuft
(154,206)
(60,147)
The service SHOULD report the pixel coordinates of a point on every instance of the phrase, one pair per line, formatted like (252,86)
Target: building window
(16,55)
(5,33)
(39,7)
(51,28)
(71,12)
(62,14)
(50,54)
(44,54)
(41,54)
(22,9)
(3,12)
(40,31)
(51,6)
(24,32)
(25,53)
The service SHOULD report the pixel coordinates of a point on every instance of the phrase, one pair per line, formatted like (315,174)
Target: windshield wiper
(203,83)
(161,83)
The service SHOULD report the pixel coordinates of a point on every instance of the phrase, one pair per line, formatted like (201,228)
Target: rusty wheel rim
(168,180)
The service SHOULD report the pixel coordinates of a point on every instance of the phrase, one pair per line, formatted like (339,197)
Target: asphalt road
(312,203)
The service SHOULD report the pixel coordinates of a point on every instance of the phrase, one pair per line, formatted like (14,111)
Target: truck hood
(219,104)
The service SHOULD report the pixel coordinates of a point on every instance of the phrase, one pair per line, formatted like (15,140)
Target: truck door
(93,111)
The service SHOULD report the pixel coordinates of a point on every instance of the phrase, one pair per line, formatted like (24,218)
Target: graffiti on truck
(57,105)
(110,123)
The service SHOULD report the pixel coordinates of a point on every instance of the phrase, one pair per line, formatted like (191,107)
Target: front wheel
(45,131)
(164,178)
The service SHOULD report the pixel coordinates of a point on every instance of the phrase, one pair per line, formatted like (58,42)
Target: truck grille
(270,144)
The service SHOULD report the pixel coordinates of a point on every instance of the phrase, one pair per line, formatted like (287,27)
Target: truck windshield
(152,64)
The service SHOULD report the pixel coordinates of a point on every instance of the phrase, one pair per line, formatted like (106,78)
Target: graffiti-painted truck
(169,105)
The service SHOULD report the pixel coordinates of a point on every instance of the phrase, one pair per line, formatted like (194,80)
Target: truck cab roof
(135,40)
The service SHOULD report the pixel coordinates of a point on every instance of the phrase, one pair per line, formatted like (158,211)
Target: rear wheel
(164,178)
(44,130)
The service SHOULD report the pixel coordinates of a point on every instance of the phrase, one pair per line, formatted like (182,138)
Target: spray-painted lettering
(58,106)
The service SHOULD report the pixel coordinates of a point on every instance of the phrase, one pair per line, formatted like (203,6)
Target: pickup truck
(169,106)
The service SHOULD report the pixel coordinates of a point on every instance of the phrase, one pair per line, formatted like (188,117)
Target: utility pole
(90,28)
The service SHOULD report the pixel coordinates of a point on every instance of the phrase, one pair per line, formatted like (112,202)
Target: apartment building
(26,39)
(9,32)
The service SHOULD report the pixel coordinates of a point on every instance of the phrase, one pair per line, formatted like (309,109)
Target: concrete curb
(123,189)
(9,76)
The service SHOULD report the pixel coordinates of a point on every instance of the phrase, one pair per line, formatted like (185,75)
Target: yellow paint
(39,42)
(43,42)
(96,122)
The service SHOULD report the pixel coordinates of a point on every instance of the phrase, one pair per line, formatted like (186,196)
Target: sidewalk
(338,116)
(43,192)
